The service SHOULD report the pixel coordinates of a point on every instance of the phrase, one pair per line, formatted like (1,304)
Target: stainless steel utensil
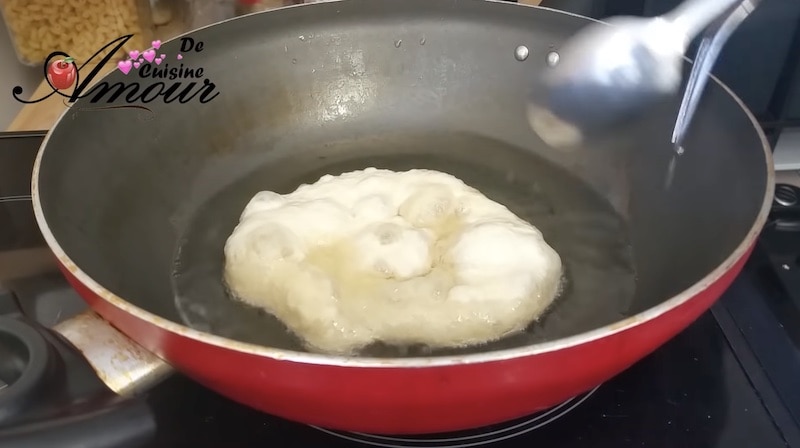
(609,72)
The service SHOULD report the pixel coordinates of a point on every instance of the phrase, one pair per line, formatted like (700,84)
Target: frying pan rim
(412,362)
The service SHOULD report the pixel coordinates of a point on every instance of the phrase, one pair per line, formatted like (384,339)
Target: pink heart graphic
(163,56)
(179,56)
(156,44)
(136,65)
(149,55)
(124,66)
(133,54)
(158,61)
(140,60)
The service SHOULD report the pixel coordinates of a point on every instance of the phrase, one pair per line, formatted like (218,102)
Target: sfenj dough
(414,257)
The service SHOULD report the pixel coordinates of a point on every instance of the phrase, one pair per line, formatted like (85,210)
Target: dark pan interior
(144,206)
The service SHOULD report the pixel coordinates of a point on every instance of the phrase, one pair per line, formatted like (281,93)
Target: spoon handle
(692,16)
(710,47)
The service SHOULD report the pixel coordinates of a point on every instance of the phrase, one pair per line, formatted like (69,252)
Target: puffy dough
(414,257)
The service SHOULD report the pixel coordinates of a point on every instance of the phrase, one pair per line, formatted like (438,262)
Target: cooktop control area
(729,380)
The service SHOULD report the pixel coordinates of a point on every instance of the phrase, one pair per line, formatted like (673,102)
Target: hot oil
(673,164)
(583,228)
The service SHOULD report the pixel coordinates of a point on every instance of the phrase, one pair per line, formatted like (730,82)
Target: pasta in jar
(80,28)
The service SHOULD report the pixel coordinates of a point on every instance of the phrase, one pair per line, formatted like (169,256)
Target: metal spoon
(612,71)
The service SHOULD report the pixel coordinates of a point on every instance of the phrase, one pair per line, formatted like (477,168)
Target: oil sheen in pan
(591,238)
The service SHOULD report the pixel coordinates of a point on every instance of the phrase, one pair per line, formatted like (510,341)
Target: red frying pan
(137,210)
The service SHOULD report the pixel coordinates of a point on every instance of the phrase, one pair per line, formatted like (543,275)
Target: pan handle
(123,365)
(74,384)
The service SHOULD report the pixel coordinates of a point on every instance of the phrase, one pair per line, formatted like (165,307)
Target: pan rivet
(552,58)
(521,53)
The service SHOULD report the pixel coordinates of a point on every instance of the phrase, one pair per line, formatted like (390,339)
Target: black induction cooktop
(732,379)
